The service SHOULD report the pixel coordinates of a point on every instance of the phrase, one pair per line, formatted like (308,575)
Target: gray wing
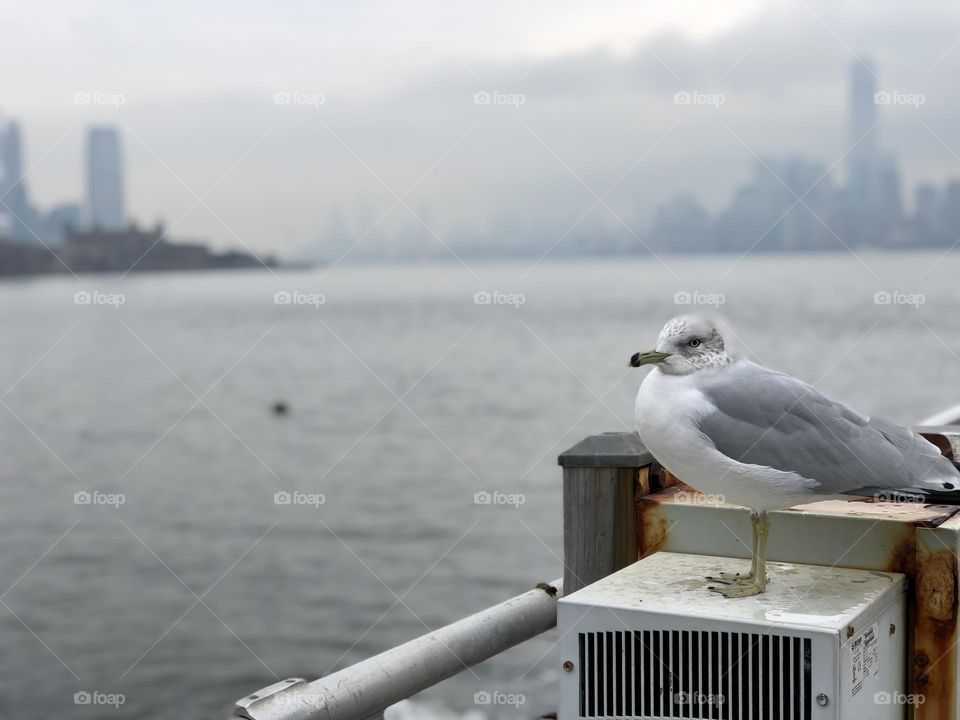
(767,418)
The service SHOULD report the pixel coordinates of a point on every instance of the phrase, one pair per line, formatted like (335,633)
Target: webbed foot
(726,578)
(740,590)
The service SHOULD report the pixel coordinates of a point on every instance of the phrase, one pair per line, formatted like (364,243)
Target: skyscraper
(863,140)
(13,190)
(105,201)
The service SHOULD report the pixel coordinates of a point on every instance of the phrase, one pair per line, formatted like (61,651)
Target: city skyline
(793,203)
(790,203)
(380,108)
(94,235)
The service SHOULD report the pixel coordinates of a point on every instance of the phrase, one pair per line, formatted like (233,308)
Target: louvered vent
(694,674)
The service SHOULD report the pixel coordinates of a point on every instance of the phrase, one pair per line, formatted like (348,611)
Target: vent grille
(694,674)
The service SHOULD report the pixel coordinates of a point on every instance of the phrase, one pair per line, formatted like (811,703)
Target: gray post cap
(609,450)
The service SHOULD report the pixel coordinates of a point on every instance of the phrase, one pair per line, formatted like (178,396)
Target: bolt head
(822,699)
(568,666)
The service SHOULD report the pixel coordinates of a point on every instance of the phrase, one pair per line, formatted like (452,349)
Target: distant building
(14,204)
(889,202)
(927,210)
(782,207)
(133,249)
(54,225)
(105,196)
(863,139)
(949,214)
(20,222)
(18,258)
(683,225)
(130,249)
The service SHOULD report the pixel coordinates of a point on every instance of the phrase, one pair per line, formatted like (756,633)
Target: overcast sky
(383,105)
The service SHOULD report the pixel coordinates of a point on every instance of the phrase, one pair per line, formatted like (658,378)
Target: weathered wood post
(602,477)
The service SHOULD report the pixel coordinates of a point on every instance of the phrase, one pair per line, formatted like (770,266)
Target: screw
(822,699)
(922,679)
(849,630)
(568,666)
(922,659)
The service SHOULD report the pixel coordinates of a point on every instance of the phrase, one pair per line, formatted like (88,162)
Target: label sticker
(864,657)
(856,665)
(871,651)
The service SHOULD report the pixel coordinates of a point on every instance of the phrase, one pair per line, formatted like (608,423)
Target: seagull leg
(758,583)
(737,578)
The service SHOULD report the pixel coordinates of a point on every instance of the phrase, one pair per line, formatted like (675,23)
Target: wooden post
(601,475)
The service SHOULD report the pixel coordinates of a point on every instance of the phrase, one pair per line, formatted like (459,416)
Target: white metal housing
(652,641)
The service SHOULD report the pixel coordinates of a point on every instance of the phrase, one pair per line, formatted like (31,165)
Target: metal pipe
(370,686)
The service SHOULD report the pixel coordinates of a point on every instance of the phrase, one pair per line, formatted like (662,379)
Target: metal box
(650,641)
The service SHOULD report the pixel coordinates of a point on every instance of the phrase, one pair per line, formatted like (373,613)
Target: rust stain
(935,657)
(643,481)
(652,527)
(936,585)
(660,479)
(903,557)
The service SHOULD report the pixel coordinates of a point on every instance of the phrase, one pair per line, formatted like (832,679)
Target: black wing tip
(920,496)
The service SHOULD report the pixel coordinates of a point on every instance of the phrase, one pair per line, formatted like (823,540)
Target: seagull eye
(694,343)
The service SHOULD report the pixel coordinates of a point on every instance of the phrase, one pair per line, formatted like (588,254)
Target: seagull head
(686,344)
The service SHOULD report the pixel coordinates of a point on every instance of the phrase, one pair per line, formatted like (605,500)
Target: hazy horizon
(383,107)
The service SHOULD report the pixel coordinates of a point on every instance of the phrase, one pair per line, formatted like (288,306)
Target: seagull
(762,439)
